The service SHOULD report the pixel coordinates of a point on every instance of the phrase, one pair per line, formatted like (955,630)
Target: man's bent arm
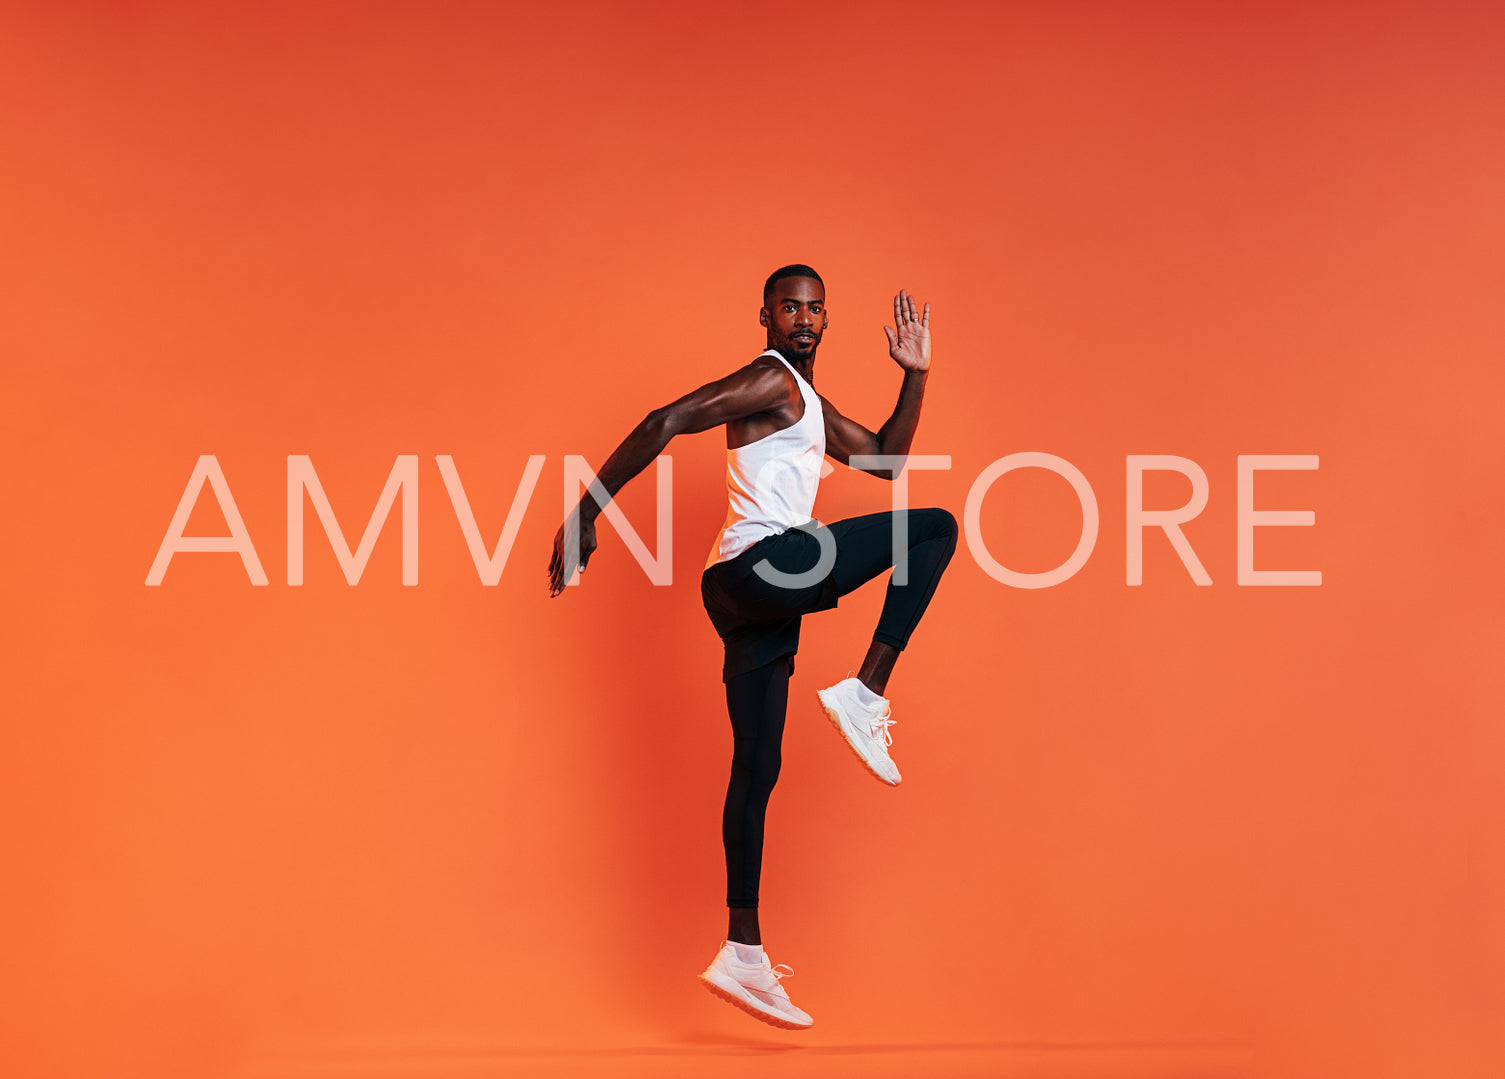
(846,438)
(898,430)
(752,389)
(909,347)
(755,388)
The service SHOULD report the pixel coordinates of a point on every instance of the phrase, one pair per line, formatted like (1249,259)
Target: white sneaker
(755,988)
(865,727)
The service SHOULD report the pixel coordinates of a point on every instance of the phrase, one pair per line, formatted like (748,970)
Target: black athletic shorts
(759,621)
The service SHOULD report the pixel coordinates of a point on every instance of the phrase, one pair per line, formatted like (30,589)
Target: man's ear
(762,316)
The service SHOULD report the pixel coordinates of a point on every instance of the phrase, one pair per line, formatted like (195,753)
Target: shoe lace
(783,970)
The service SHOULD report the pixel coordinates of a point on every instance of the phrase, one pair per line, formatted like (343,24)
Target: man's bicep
(845,437)
(739,394)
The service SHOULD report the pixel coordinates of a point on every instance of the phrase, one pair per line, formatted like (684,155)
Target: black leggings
(756,699)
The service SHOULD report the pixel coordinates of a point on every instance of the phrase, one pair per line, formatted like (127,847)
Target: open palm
(909,341)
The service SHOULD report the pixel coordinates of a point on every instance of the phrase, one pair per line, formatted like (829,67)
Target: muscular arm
(846,437)
(909,347)
(755,388)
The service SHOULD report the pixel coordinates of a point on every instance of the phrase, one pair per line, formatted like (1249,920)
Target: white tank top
(771,483)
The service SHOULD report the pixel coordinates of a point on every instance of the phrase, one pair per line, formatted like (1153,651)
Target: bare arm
(755,388)
(909,347)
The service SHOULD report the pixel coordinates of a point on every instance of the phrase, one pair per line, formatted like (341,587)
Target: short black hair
(795,269)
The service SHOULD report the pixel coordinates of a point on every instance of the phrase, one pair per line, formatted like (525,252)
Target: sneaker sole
(835,717)
(734,995)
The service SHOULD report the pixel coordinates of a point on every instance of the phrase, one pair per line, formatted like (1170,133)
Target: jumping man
(772,563)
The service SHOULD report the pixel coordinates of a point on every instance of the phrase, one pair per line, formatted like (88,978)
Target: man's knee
(767,775)
(759,769)
(931,523)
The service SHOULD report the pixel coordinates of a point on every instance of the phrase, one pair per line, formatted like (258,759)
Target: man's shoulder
(769,360)
(762,385)
(766,368)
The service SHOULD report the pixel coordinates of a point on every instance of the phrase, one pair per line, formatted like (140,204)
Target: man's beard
(799,350)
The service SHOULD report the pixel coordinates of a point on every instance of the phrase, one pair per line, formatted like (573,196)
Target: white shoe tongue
(748,953)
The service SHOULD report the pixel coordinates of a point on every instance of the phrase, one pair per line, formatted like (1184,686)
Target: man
(772,563)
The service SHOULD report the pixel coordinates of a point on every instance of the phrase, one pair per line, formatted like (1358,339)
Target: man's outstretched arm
(909,347)
(755,388)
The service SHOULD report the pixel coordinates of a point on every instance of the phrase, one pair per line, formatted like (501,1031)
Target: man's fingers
(906,311)
(892,340)
(925,319)
(558,578)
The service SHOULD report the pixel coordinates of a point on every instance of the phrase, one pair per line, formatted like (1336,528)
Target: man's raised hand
(909,341)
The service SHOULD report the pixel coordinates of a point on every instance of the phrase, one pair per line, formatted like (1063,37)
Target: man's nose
(804,317)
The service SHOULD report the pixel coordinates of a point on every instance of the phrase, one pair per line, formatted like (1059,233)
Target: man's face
(795,316)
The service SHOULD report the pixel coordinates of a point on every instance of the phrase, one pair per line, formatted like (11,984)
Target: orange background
(443,830)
